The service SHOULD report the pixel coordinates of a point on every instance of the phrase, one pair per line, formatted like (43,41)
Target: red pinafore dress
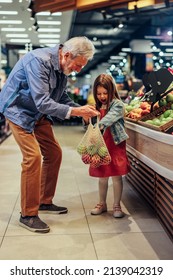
(119,164)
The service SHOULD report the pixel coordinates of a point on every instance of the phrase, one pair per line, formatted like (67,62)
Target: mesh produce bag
(92,147)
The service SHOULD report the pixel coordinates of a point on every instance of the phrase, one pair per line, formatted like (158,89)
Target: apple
(168,119)
(145,105)
(162,102)
(129,108)
(81,149)
(163,122)
(169,97)
(161,117)
(106,160)
(167,113)
(102,151)
(86,158)
(145,112)
(149,121)
(156,122)
(95,161)
(171,115)
(92,149)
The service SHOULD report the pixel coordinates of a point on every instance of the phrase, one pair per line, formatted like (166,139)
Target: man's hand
(86,111)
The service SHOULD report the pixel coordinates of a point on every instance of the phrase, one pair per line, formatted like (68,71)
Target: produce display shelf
(156,113)
(150,155)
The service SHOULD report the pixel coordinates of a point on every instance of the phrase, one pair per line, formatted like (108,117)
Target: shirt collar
(55,57)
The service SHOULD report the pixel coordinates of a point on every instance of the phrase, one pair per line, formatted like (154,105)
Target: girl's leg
(103,188)
(117,191)
(101,206)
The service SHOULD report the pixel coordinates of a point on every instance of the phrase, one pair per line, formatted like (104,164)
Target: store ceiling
(23,33)
(101,25)
(149,23)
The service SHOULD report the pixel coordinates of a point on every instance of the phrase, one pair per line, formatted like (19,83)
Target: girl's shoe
(99,209)
(118,213)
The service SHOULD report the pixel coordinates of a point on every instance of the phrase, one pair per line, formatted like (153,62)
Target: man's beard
(67,72)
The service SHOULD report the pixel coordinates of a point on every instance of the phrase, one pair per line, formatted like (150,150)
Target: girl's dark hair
(106,81)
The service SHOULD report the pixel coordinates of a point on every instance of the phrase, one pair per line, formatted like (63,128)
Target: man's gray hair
(79,46)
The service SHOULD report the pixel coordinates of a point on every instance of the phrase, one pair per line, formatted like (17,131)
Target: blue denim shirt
(35,87)
(115,120)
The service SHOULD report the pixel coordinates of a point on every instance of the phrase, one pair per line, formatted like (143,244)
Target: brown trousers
(42,157)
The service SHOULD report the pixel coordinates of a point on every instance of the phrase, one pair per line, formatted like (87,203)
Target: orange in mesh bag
(92,147)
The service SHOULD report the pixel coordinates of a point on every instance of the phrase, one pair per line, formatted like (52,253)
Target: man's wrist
(74,112)
(68,113)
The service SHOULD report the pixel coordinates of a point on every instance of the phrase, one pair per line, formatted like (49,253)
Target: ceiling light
(6,1)
(168,54)
(57,14)
(126,49)
(169,50)
(8,12)
(11,29)
(112,67)
(88,76)
(115,57)
(48,36)
(3,61)
(49,45)
(97,43)
(20,40)
(17,35)
(166,43)
(156,49)
(153,37)
(22,51)
(49,22)
(49,14)
(169,33)
(10,21)
(43,14)
(52,30)
(120,25)
(122,54)
(44,41)
(115,29)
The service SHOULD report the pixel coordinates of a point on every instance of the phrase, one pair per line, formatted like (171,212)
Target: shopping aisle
(77,235)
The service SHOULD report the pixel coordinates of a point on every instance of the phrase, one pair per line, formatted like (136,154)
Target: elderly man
(34,91)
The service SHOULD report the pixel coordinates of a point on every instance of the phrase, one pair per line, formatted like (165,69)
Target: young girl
(112,124)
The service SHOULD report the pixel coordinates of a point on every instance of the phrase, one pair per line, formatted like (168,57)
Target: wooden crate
(155,114)
(131,120)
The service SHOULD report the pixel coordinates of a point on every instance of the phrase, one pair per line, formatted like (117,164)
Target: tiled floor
(77,235)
